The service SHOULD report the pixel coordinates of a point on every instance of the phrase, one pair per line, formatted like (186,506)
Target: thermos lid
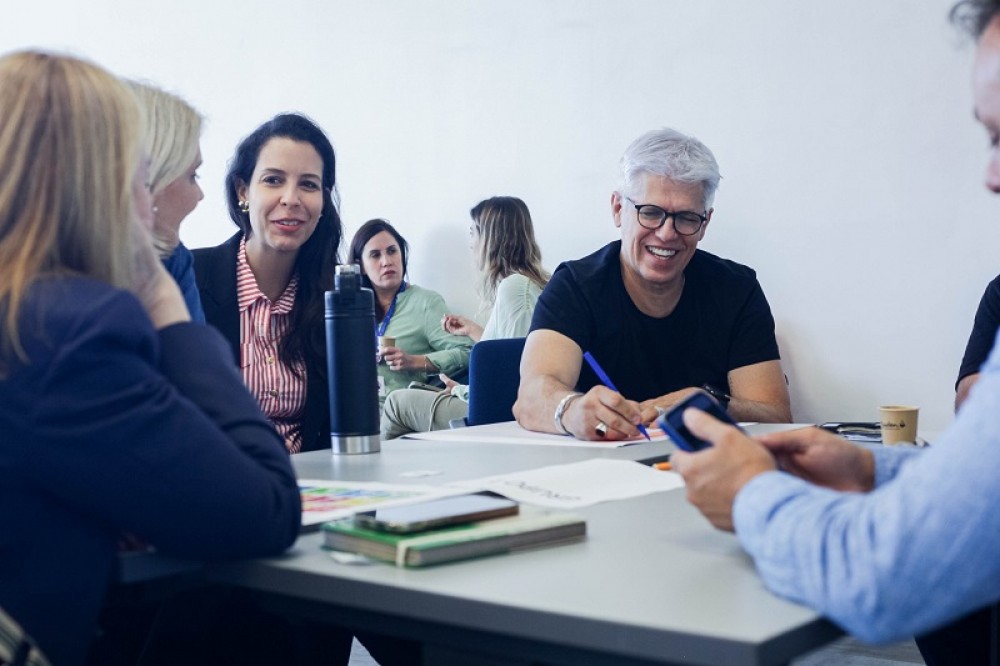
(347,269)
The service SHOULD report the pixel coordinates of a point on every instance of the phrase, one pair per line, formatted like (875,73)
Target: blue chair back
(494,375)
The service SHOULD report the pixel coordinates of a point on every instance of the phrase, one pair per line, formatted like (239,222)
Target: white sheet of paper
(578,484)
(509,432)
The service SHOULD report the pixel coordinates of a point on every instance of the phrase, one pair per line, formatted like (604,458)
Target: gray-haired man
(661,317)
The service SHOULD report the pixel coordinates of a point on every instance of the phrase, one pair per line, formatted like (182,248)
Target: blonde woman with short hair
(172,142)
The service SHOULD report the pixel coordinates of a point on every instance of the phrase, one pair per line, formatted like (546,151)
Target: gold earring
(245,206)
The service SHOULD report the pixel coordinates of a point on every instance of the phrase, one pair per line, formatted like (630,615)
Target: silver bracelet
(561,409)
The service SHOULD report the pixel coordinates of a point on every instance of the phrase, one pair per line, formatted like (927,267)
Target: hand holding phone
(672,422)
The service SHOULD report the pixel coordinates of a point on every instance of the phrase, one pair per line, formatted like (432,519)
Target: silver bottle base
(354,444)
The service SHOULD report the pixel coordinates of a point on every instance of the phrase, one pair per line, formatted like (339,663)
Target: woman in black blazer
(279,190)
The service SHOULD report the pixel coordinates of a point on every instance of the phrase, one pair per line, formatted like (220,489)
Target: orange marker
(663,466)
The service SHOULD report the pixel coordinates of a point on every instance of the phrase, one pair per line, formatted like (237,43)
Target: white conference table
(653,582)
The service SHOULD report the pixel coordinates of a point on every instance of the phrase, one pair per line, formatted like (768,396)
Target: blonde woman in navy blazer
(117,413)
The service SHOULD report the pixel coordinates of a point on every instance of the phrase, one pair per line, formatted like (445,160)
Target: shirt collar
(247,291)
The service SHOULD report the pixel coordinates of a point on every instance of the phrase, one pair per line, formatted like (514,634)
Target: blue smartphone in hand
(672,422)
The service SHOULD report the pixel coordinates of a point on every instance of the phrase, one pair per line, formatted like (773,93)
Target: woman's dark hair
(317,259)
(974,16)
(369,230)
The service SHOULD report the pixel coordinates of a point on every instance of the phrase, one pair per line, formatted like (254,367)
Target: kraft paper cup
(899,424)
(384,341)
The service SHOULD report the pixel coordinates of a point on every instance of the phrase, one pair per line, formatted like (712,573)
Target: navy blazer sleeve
(154,432)
(113,426)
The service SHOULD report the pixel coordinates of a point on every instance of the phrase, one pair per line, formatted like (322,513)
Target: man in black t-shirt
(661,317)
(984,333)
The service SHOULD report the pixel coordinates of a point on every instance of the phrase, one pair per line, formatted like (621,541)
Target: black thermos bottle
(350,363)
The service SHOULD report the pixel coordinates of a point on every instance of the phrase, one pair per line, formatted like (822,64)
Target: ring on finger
(601,428)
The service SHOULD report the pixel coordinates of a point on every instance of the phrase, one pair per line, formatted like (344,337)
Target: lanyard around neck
(380,328)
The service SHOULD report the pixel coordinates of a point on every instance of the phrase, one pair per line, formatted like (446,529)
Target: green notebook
(458,542)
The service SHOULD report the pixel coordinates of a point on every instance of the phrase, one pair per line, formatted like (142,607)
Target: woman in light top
(263,288)
(172,142)
(410,314)
(118,414)
(502,240)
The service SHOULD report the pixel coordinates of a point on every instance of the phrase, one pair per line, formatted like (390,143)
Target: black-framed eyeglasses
(686,222)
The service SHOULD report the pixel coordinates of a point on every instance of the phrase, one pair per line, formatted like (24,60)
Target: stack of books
(532,527)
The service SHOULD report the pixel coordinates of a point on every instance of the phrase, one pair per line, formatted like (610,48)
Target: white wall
(852,167)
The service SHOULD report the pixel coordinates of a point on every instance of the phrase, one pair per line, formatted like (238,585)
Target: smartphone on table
(672,422)
(436,513)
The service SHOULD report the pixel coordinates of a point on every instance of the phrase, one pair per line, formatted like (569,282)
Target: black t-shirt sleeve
(753,338)
(722,322)
(984,331)
(562,308)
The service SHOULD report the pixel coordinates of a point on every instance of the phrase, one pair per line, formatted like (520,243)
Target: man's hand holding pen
(602,427)
(600,406)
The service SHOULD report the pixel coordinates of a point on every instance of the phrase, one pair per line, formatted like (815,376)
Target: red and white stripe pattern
(282,395)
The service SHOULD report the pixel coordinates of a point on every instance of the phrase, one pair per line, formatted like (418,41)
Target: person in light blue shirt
(886,542)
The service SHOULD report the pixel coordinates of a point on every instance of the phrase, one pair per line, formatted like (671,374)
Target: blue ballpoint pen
(592,362)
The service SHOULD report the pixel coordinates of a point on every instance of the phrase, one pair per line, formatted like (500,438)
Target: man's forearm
(536,404)
(760,412)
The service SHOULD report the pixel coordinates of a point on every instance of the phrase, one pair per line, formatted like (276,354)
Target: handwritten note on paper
(510,432)
(578,484)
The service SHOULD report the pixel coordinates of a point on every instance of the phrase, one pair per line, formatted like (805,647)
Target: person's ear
(708,218)
(616,208)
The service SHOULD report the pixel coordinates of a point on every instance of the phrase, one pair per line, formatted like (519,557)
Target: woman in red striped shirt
(263,288)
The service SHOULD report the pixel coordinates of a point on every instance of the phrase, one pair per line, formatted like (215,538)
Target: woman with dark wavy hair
(405,312)
(263,288)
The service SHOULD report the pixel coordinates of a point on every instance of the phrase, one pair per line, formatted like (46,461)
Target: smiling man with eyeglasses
(660,316)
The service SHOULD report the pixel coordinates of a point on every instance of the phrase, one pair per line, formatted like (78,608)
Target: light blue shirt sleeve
(920,550)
